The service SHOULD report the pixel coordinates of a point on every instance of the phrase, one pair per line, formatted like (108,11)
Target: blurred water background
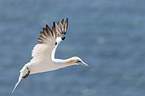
(107,34)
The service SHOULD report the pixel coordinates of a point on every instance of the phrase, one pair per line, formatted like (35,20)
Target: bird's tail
(20,78)
(23,72)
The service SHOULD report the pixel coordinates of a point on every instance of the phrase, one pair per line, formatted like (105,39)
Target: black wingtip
(54,24)
(44,29)
(46,25)
(66,23)
(67,19)
(63,20)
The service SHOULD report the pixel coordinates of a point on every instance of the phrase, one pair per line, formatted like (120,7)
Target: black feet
(63,38)
(26,74)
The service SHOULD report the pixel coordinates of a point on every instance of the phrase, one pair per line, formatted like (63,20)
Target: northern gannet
(43,53)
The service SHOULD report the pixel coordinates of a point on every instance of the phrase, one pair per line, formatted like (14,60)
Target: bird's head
(76,61)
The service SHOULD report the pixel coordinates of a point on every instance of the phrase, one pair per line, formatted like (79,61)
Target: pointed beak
(83,63)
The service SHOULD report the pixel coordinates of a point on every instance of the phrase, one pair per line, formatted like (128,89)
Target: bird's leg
(27,73)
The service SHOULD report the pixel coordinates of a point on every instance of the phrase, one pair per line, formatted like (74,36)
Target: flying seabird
(43,53)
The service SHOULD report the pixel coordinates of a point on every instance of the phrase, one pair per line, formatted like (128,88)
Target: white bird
(44,52)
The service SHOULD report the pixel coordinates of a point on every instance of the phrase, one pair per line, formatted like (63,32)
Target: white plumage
(44,52)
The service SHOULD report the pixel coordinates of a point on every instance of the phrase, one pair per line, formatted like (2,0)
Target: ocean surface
(109,35)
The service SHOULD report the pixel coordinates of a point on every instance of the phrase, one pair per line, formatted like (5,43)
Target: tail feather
(24,72)
(20,78)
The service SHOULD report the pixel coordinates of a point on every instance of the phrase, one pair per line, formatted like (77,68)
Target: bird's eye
(78,61)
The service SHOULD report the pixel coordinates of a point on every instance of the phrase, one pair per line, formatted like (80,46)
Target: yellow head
(76,61)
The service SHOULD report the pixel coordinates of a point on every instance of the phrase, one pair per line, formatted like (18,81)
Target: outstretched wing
(48,41)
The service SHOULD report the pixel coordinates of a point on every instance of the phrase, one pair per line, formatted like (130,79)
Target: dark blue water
(107,34)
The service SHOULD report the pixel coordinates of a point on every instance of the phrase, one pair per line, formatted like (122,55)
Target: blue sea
(109,35)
